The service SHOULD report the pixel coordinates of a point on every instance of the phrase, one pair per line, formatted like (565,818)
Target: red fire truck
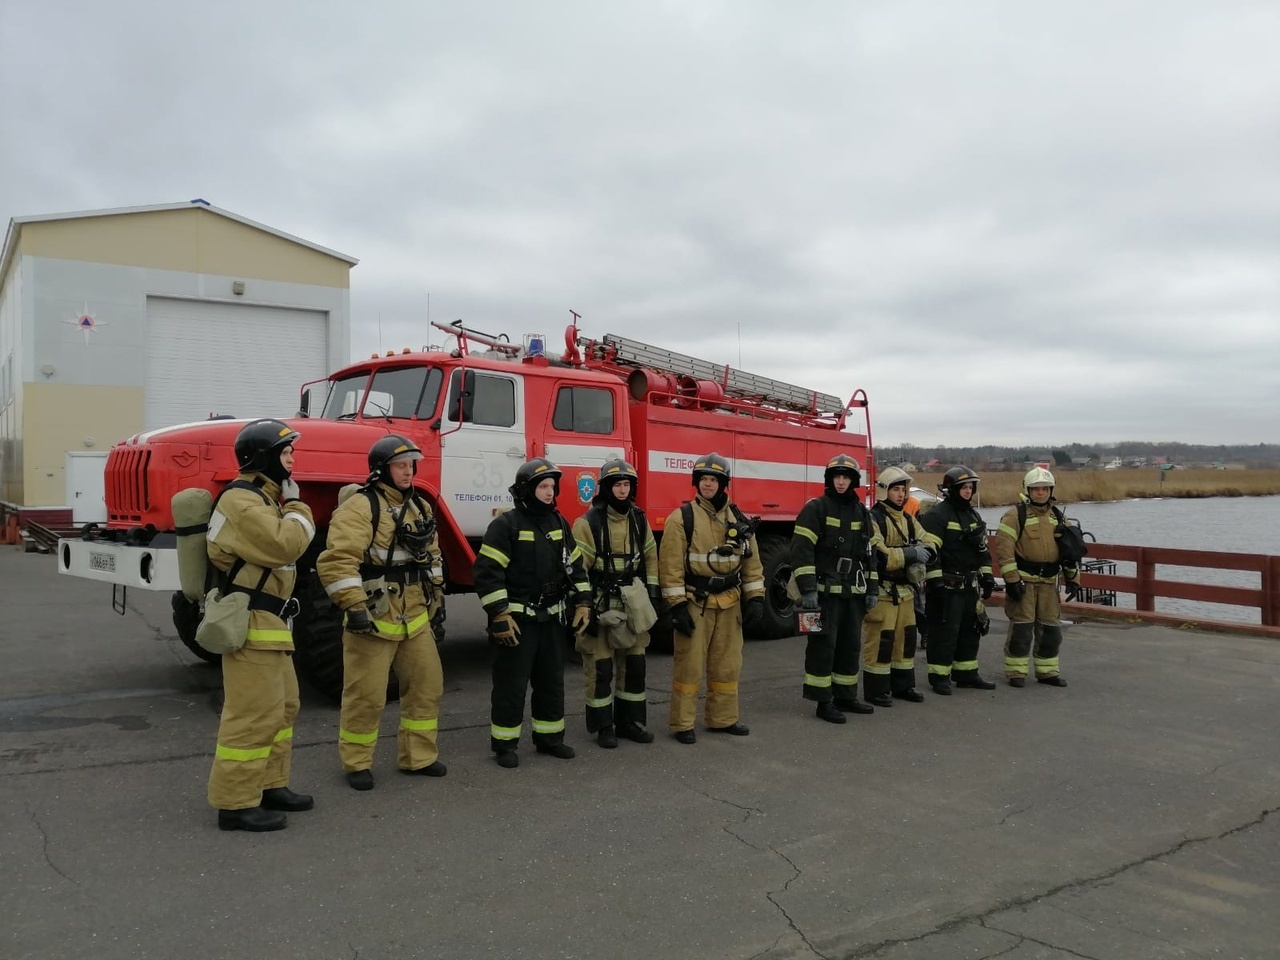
(477,411)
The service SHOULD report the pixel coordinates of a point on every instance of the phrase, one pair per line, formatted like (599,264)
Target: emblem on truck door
(586,487)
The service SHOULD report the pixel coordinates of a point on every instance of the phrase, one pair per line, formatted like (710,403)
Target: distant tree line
(1084,455)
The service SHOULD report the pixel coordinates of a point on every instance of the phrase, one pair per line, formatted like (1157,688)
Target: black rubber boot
(942,686)
(976,683)
(685,736)
(607,737)
(1017,681)
(881,700)
(635,732)
(433,769)
(282,798)
(854,707)
(735,729)
(508,759)
(1052,681)
(561,751)
(360,779)
(911,695)
(252,819)
(829,712)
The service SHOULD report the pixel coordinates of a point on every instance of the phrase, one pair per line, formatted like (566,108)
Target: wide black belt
(960,581)
(1038,569)
(708,586)
(261,600)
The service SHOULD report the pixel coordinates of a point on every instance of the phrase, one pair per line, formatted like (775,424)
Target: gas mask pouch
(225,625)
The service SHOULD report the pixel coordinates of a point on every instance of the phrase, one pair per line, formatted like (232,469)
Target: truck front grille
(127,493)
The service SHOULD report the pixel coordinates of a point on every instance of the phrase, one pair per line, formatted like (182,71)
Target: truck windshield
(396,392)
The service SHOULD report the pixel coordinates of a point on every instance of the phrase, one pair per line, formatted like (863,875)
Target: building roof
(15,225)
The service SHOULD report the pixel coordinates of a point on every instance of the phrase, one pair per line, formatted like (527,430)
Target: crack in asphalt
(980,917)
(770,894)
(1023,938)
(44,849)
(1005,819)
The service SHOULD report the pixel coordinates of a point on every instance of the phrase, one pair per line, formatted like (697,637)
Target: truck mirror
(304,405)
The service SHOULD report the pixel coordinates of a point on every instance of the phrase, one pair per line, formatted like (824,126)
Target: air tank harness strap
(405,574)
(1038,569)
(704,587)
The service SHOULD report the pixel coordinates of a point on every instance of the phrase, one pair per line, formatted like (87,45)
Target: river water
(1229,524)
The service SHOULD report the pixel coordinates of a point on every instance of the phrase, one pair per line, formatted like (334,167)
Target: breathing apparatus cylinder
(192,509)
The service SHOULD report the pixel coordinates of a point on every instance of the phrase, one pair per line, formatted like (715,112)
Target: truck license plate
(104,562)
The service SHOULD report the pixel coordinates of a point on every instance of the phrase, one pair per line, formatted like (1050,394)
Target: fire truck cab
(477,414)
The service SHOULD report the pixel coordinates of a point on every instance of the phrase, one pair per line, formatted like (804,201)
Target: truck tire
(779,609)
(317,637)
(186,618)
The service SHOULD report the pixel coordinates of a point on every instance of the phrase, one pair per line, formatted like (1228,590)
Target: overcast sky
(1009,222)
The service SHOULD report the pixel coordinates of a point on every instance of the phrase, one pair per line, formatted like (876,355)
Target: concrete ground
(1131,815)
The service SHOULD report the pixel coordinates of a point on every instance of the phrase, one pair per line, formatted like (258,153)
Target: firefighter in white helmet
(711,576)
(383,567)
(1027,549)
(258,530)
(904,549)
(832,550)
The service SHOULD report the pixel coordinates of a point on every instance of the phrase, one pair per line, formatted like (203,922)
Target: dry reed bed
(998,489)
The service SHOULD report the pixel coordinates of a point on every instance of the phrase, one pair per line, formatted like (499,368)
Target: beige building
(113,322)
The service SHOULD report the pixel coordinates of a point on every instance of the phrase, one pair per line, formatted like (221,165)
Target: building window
(583,410)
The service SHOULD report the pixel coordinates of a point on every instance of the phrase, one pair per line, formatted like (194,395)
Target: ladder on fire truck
(736,384)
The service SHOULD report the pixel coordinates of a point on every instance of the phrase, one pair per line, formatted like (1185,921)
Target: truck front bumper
(153,567)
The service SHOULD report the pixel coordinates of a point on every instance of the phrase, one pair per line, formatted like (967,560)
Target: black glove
(358,621)
(987,584)
(1073,590)
(1015,590)
(809,600)
(753,613)
(682,620)
(655,598)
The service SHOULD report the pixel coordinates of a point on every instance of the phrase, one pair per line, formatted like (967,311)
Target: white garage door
(229,358)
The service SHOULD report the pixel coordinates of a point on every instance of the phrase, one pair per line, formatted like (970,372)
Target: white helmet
(891,477)
(1037,477)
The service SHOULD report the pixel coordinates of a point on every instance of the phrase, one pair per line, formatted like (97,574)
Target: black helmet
(610,473)
(388,450)
(529,475)
(954,479)
(842,463)
(712,465)
(258,447)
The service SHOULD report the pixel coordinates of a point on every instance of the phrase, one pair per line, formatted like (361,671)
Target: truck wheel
(779,609)
(186,618)
(317,640)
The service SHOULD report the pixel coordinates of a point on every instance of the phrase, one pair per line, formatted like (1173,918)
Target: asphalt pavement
(1130,815)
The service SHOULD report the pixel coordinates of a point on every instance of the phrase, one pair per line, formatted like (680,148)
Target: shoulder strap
(1022,518)
(375,511)
(686,513)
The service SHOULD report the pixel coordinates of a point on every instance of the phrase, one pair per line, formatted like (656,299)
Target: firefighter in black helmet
(258,530)
(530,579)
(961,570)
(711,576)
(618,549)
(831,556)
(383,567)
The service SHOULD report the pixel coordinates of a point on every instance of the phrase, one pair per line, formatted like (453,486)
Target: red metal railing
(1146,587)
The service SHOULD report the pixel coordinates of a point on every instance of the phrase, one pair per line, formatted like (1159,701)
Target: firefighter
(617,547)
(253,541)
(904,549)
(528,574)
(1027,552)
(382,567)
(831,552)
(960,571)
(709,568)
